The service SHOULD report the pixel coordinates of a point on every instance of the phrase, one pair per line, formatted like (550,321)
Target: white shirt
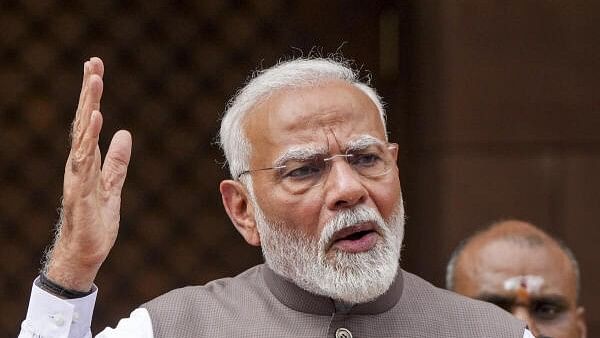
(49,316)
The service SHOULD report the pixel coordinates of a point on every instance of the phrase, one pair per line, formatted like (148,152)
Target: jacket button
(343,333)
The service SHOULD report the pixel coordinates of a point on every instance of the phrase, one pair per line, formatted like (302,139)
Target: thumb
(116,162)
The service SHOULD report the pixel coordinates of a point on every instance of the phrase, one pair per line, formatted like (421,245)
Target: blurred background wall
(494,103)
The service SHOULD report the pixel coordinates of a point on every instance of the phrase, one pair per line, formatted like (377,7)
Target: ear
(581,325)
(240,210)
(395,152)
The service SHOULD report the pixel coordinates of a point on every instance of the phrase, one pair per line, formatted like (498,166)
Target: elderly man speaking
(314,183)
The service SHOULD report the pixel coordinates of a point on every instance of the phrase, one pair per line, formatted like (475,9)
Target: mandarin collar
(296,298)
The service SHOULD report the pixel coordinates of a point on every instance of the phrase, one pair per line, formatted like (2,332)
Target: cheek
(563,326)
(294,212)
(386,195)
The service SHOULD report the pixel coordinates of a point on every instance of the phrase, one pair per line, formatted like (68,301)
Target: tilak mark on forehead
(524,285)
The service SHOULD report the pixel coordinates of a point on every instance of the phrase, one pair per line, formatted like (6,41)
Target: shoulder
(417,289)
(452,307)
(218,292)
(206,310)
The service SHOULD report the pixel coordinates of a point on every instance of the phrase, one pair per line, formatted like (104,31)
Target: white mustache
(350,217)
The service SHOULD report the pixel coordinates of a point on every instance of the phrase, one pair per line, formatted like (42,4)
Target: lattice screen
(170,68)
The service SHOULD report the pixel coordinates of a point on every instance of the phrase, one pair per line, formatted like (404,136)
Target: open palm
(91,191)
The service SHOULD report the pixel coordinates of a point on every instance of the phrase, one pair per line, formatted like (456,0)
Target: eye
(364,159)
(304,170)
(506,303)
(546,310)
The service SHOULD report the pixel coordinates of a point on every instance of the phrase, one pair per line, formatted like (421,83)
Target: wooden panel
(421,250)
(507,113)
(479,189)
(522,71)
(582,228)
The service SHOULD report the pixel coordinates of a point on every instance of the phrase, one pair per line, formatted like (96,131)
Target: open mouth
(357,238)
(357,235)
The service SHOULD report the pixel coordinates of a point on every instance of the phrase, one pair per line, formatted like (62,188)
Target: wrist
(69,272)
(58,290)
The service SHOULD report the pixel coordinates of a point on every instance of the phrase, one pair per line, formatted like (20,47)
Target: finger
(116,162)
(75,126)
(97,66)
(92,67)
(91,103)
(86,67)
(86,155)
(91,100)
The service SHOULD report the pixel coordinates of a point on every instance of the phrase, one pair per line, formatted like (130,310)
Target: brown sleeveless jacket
(259,303)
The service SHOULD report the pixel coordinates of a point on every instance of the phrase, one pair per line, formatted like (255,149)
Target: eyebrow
(299,154)
(362,142)
(493,298)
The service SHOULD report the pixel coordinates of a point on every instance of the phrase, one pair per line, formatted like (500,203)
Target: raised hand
(91,192)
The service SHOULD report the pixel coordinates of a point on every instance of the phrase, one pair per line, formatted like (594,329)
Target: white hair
(351,278)
(301,72)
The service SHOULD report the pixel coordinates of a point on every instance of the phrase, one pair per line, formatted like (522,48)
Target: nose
(343,186)
(522,313)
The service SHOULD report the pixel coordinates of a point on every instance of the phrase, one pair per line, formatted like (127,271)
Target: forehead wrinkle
(315,119)
(299,153)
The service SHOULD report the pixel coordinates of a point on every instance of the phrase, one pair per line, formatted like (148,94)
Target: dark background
(494,104)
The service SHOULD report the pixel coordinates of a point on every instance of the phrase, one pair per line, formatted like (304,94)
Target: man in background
(523,270)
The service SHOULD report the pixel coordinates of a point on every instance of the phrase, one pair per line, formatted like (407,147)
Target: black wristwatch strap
(59,291)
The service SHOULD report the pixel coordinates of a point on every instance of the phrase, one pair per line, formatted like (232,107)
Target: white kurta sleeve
(138,325)
(49,316)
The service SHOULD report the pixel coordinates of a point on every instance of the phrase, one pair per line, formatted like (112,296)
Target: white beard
(348,277)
